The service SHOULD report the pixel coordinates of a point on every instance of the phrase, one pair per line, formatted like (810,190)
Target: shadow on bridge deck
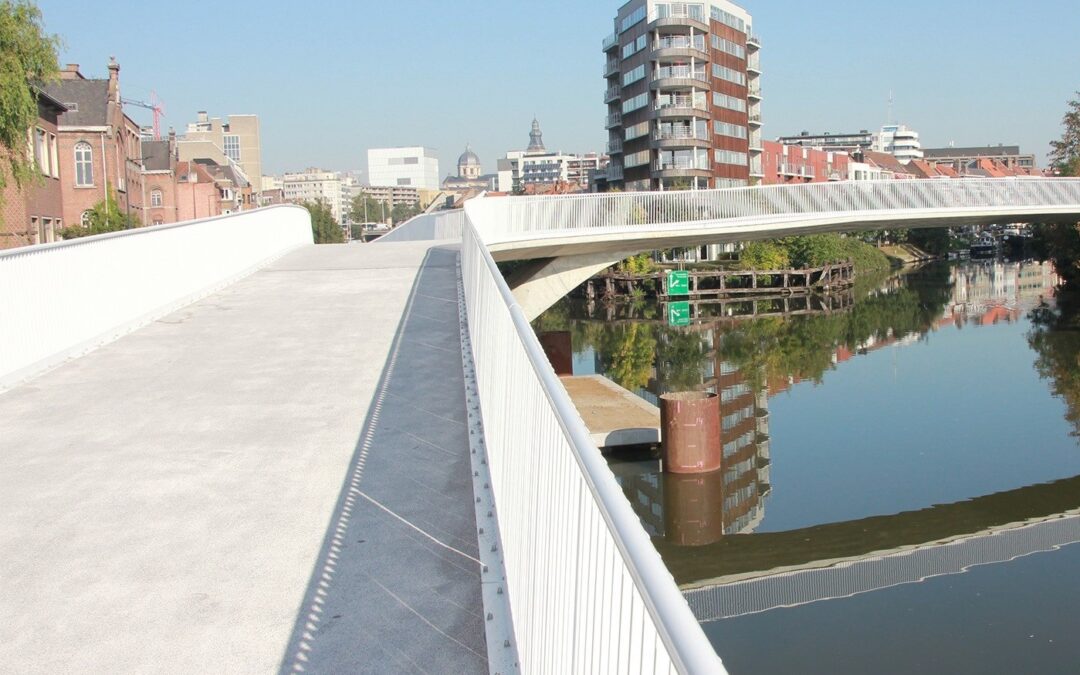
(397,585)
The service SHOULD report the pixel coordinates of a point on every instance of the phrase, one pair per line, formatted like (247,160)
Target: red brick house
(33,213)
(99,146)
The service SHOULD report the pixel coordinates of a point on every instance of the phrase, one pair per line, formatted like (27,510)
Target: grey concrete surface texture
(275,478)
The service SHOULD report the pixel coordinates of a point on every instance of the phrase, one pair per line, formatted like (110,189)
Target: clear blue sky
(331,78)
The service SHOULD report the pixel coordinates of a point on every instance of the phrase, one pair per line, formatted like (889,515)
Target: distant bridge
(572,237)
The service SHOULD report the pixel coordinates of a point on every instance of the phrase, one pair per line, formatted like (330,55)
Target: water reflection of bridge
(704,313)
(745,574)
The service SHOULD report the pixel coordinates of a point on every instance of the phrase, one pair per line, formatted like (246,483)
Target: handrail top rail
(93,238)
(674,620)
(963,181)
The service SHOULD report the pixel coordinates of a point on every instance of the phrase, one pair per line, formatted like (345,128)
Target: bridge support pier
(541,283)
(690,432)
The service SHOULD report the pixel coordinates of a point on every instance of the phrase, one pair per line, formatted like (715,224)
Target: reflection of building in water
(698,509)
(997,291)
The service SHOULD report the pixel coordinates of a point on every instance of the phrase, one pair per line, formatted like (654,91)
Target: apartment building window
(639,101)
(730,157)
(636,16)
(728,47)
(404,181)
(155,197)
(729,74)
(636,159)
(729,102)
(729,19)
(637,131)
(41,151)
(84,165)
(729,130)
(634,75)
(232,147)
(631,48)
(54,162)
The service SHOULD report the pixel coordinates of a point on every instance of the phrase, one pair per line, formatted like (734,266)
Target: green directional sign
(678,313)
(678,282)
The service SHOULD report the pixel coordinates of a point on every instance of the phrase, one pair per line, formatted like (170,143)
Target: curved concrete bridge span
(572,237)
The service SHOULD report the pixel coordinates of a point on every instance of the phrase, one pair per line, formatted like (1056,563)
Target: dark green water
(900,489)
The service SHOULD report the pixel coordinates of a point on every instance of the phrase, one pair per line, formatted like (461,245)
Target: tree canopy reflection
(646,353)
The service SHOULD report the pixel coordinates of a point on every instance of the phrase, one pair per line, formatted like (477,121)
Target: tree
(324,228)
(764,255)
(1065,153)
(402,212)
(28,59)
(106,216)
(1061,241)
(366,209)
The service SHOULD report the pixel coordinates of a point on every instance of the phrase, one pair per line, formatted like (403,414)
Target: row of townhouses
(85,148)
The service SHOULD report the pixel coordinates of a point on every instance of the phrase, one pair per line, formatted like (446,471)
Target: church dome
(468,158)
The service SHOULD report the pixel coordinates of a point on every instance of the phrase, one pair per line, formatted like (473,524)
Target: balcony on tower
(679,14)
(679,76)
(680,47)
(680,104)
(686,134)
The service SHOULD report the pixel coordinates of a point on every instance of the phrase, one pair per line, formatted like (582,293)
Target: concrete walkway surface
(275,478)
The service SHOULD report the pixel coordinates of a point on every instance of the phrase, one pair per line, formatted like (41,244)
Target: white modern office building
(899,141)
(415,167)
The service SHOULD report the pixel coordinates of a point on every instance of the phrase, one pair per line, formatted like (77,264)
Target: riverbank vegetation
(1060,242)
(812,251)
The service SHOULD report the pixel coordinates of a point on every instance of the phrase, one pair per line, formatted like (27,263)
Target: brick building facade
(33,213)
(99,146)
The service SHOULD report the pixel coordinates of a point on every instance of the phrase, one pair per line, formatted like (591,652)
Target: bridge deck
(275,478)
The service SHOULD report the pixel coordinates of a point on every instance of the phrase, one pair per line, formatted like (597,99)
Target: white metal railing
(687,163)
(680,42)
(521,217)
(428,226)
(698,102)
(65,298)
(683,72)
(609,42)
(679,10)
(588,592)
(680,133)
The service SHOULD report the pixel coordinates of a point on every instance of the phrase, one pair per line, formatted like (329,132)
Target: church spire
(536,138)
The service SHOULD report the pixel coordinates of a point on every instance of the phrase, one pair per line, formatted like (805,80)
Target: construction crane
(156,105)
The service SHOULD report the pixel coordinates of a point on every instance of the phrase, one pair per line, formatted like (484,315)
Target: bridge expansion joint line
(498,621)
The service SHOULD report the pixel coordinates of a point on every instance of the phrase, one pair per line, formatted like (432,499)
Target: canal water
(900,489)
